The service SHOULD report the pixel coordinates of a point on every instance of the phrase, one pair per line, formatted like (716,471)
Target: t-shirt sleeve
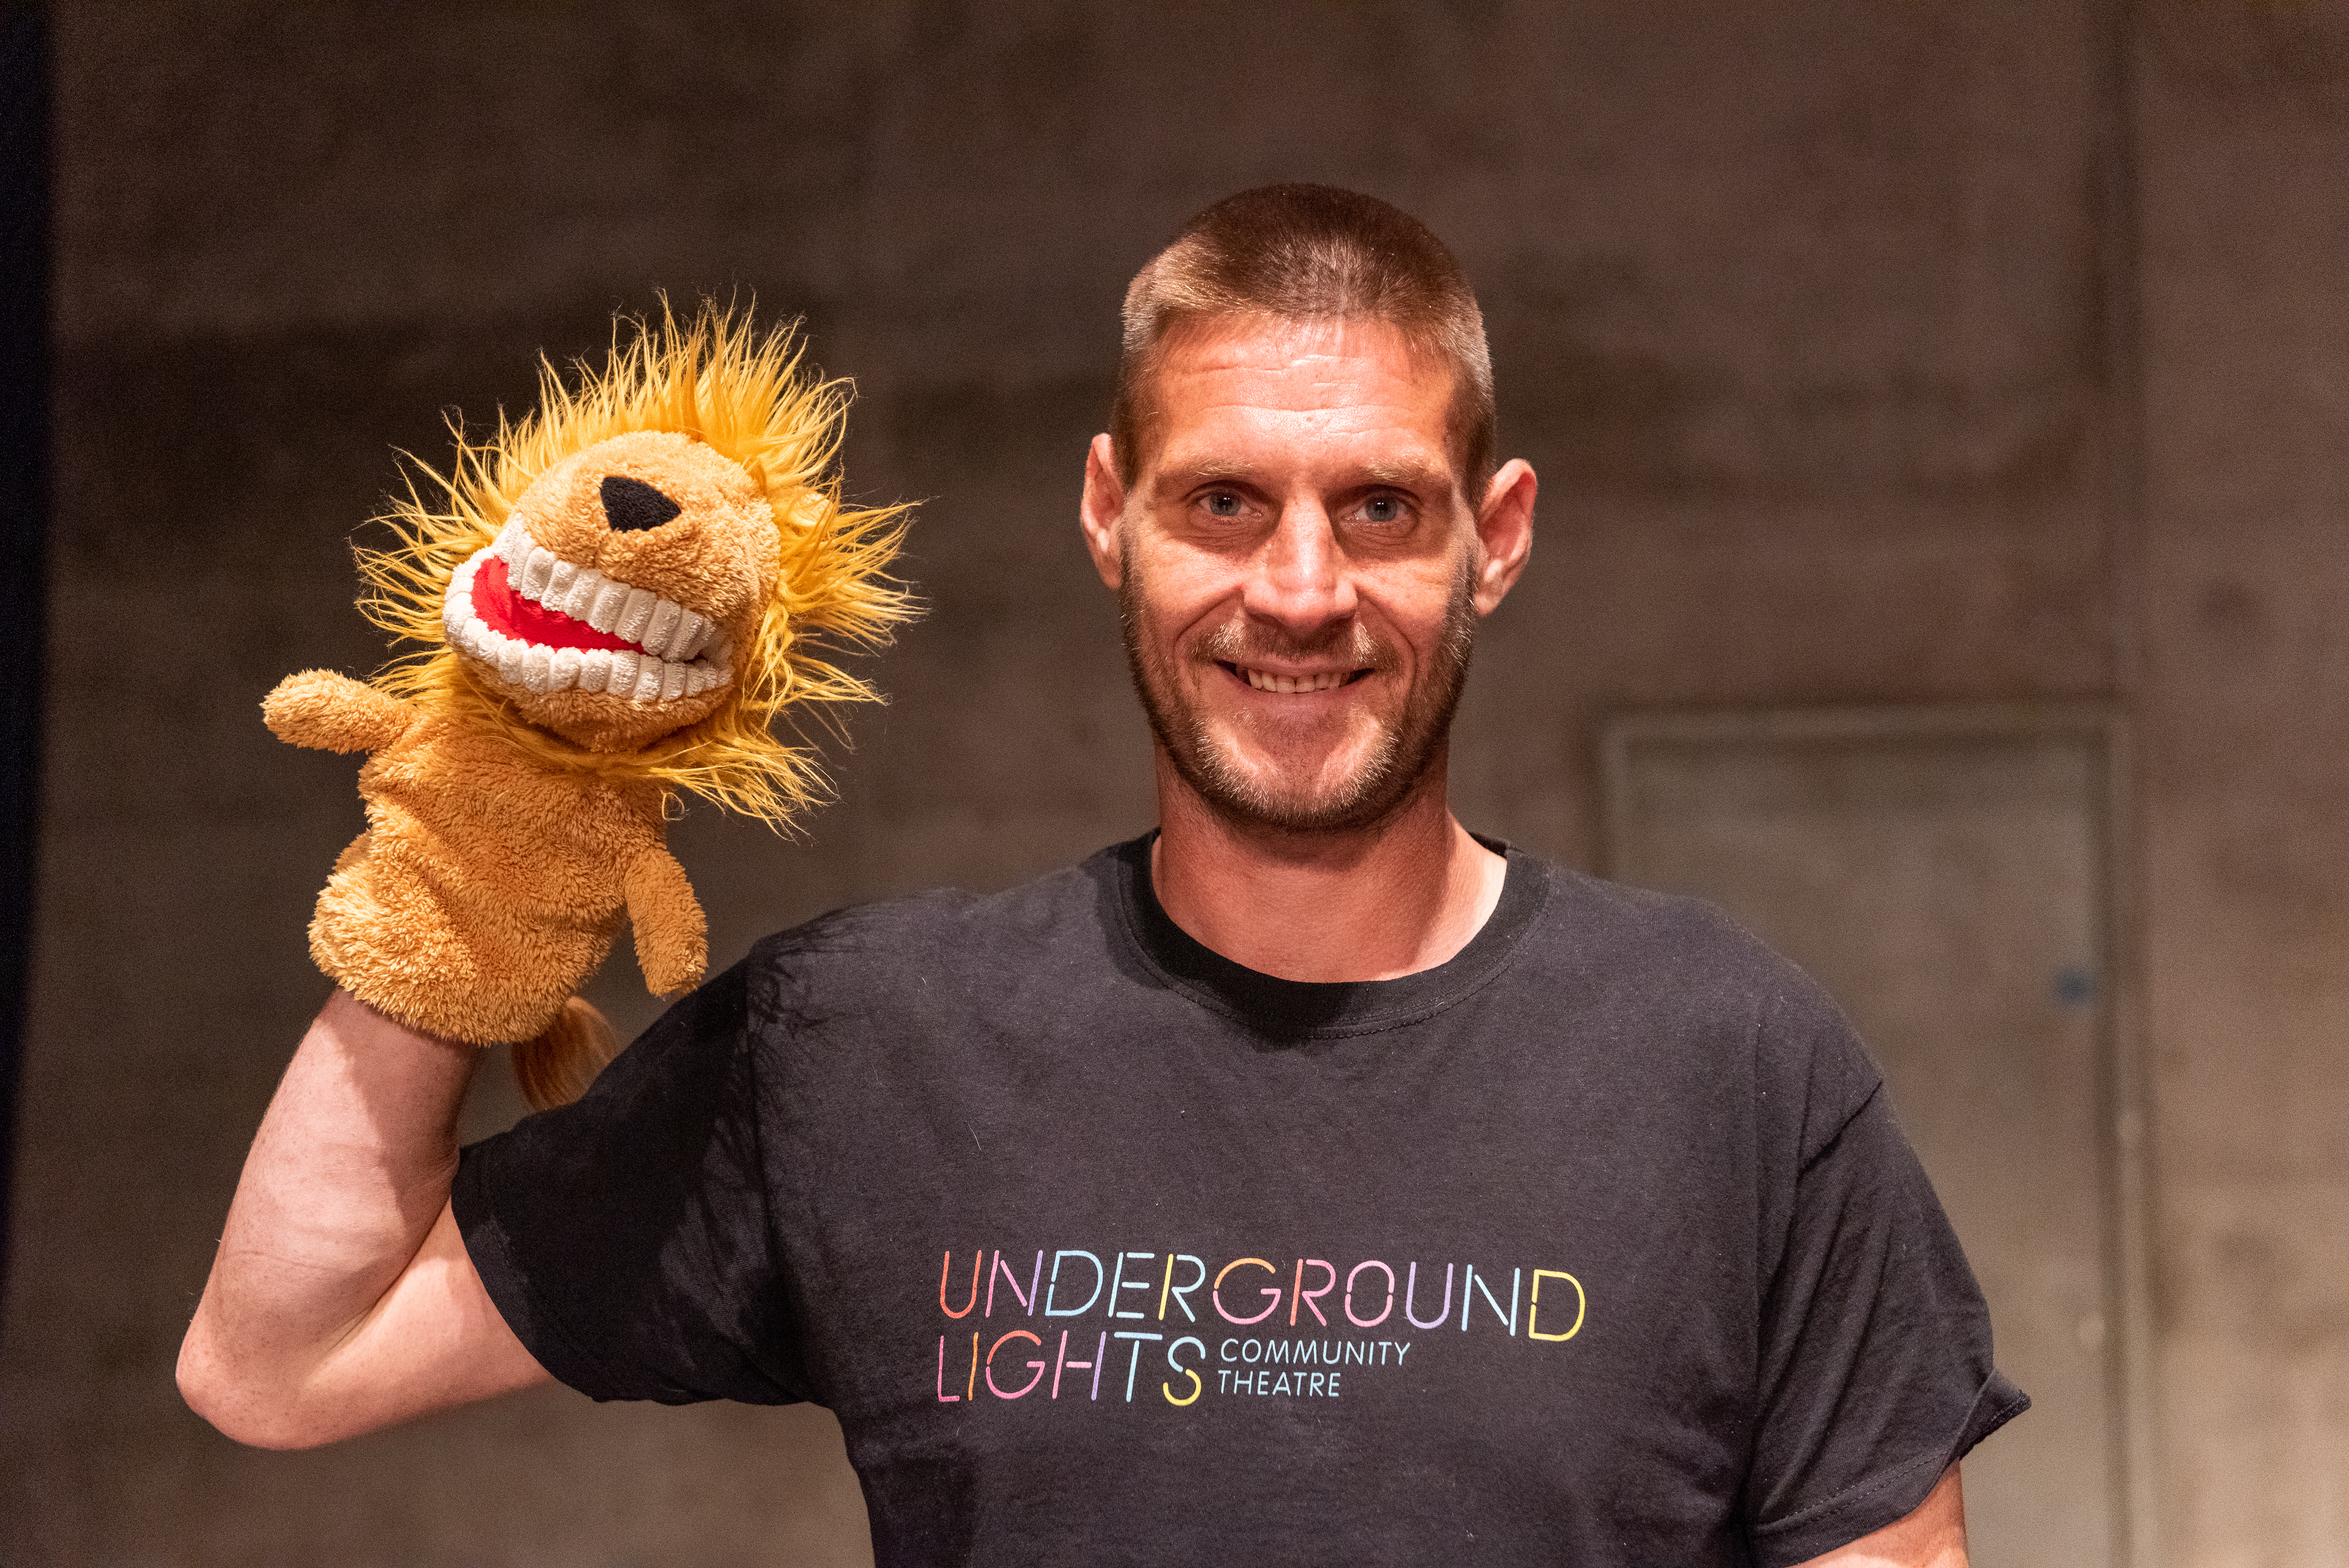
(1876,1370)
(626,1237)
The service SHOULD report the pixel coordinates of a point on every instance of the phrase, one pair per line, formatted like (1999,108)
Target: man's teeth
(686,670)
(1264,681)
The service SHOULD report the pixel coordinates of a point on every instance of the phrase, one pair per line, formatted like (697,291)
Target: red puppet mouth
(506,611)
(549,624)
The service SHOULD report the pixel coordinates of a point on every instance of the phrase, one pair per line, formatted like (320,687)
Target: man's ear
(1101,509)
(1504,532)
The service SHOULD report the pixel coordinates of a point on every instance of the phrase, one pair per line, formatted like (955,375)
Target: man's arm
(342,1298)
(1932,1535)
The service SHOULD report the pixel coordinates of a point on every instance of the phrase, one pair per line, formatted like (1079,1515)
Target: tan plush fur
(513,819)
(485,888)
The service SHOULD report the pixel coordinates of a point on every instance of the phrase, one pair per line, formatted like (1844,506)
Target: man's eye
(1223,503)
(1381,509)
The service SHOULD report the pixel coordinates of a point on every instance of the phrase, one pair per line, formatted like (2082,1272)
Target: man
(1309,1181)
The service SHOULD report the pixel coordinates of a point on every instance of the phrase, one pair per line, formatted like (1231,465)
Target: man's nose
(1300,579)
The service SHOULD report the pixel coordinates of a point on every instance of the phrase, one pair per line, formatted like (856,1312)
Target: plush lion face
(610,608)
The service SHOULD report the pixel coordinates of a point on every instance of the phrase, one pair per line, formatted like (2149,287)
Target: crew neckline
(1302,1009)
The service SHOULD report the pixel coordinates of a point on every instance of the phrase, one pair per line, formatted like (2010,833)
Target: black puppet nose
(630,504)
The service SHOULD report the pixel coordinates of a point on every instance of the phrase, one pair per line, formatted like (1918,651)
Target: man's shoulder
(1670,965)
(952,927)
(1591,920)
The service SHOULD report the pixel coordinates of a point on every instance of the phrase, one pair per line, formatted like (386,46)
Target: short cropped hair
(1310,253)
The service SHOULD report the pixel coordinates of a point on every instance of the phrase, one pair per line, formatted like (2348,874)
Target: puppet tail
(556,1068)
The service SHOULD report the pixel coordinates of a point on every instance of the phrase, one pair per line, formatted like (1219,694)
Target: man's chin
(1315,795)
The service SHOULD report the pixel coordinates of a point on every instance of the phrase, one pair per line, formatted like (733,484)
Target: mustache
(1348,643)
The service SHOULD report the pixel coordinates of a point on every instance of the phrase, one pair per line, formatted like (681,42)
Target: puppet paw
(333,713)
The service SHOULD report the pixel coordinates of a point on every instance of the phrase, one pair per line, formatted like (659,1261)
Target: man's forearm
(346,1178)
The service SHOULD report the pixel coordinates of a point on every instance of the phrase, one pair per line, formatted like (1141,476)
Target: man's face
(1299,569)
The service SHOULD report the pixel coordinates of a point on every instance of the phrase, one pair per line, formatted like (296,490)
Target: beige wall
(2245,710)
(1849,378)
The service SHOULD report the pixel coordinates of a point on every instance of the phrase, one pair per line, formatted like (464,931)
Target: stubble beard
(1392,771)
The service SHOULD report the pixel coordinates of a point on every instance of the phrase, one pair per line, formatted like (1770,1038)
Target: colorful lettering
(1062,1360)
(1272,1293)
(1174,1366)
(1411,1288)
(945,1397)
(1196,1280)
(947,1267)
(1134,1362)
(1581,1305)
(1122,1284)
(1383,1310)
(1474,1284)
(1030,1384)
(1101,1277)
(1300,1296)
(1027,1302)
(1268,1366)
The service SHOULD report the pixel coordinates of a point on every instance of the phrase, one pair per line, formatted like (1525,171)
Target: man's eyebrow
(1206,471)
(1403,473)
(1408,473)
(1411,475)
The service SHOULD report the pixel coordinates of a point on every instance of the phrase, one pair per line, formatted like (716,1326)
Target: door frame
(2124,1157)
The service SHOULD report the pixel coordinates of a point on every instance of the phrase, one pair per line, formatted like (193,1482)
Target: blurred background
(1944,415)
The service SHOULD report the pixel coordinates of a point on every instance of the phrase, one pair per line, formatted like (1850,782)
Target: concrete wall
(1982,349)
(2244,117)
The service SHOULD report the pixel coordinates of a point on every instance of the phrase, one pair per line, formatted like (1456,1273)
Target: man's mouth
(548,625)
(1271,681)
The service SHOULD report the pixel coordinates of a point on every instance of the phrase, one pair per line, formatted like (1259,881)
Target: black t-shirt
(1597,1244)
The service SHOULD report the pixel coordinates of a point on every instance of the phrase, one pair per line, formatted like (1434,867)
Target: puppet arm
(333,713)
(672,937)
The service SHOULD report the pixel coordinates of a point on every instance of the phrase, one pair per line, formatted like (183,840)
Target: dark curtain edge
(26,148)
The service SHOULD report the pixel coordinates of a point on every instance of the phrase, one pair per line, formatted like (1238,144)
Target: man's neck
(1373,903)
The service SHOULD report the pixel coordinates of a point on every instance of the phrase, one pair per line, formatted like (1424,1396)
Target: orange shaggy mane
(745,395)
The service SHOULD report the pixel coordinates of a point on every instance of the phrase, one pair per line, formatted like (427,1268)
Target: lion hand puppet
(616,601)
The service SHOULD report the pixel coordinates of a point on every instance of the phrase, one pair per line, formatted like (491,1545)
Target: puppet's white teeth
(581,596)
(559,580)
(635,614)
(665,616)
(609,600)
(658,625)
